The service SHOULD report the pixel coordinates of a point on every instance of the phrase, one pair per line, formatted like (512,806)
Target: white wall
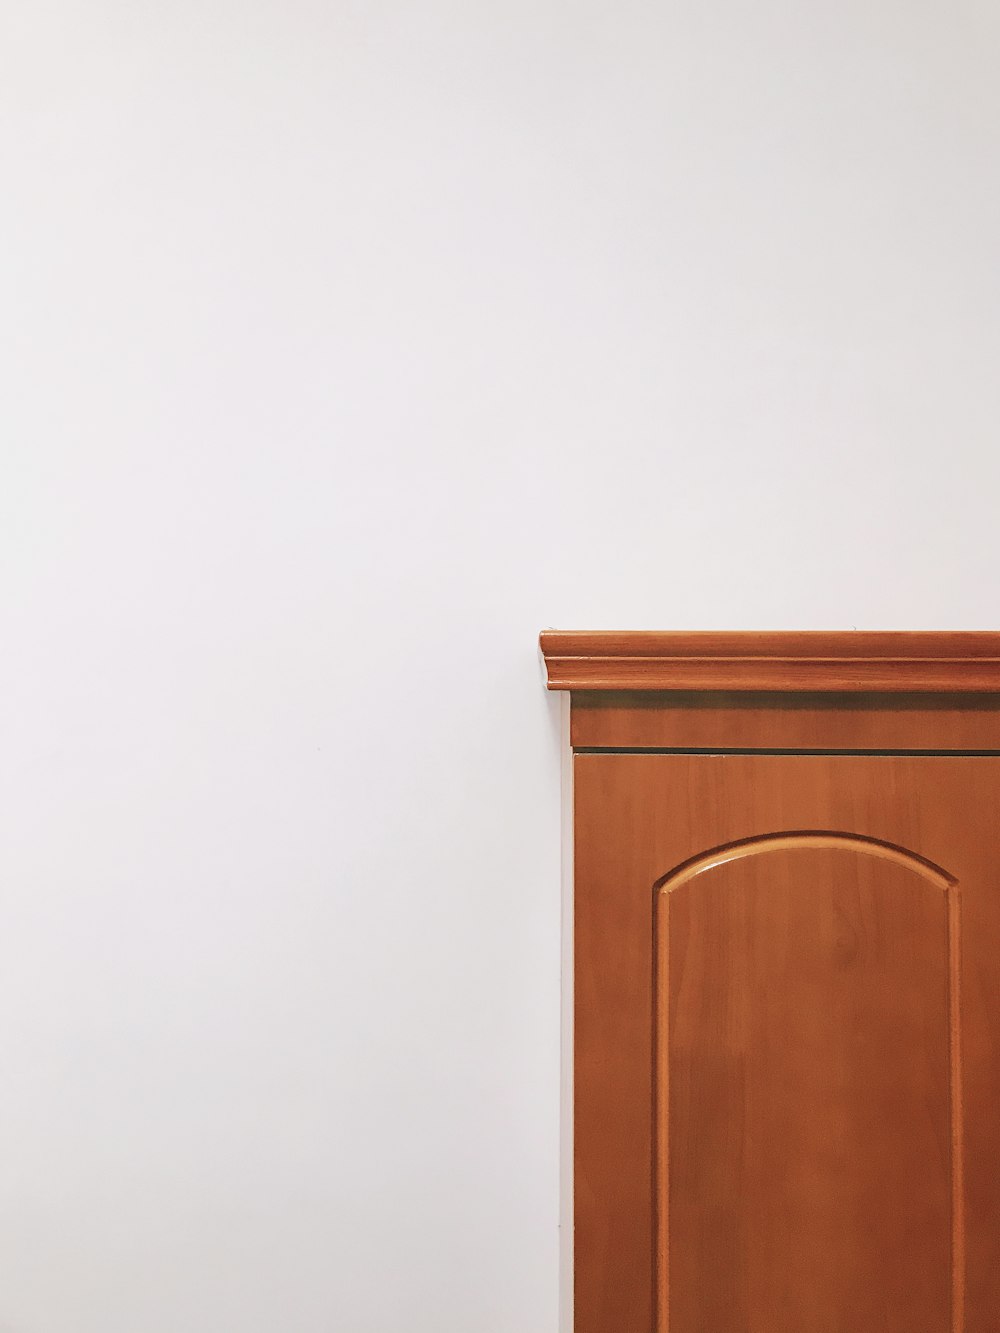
(345,345)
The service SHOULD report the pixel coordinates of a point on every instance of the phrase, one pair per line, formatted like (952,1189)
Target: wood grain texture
(803,1048)
(787,661)
(768,721)
(815,996)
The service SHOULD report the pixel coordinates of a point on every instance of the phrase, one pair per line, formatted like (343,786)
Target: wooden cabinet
(787,981)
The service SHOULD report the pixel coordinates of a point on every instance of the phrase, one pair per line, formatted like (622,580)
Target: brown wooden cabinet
(787,981)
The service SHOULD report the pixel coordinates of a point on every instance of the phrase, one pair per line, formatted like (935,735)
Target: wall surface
(344,346)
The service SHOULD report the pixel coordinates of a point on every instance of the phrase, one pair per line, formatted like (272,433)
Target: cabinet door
(787,1044)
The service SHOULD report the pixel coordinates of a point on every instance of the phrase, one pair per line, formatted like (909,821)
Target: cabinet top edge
(783,661)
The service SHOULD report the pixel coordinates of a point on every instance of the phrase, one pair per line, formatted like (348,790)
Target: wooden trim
(808,840)
(821,661)
(708,720)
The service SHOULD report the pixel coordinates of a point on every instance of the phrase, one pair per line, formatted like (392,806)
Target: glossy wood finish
(787,981)
(800,661)
(732,721)
(802,1013)
(786,1112)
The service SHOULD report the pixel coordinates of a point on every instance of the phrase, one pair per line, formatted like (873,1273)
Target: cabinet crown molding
(814,660)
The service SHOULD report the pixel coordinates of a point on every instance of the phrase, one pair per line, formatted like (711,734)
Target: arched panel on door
(808,1108)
